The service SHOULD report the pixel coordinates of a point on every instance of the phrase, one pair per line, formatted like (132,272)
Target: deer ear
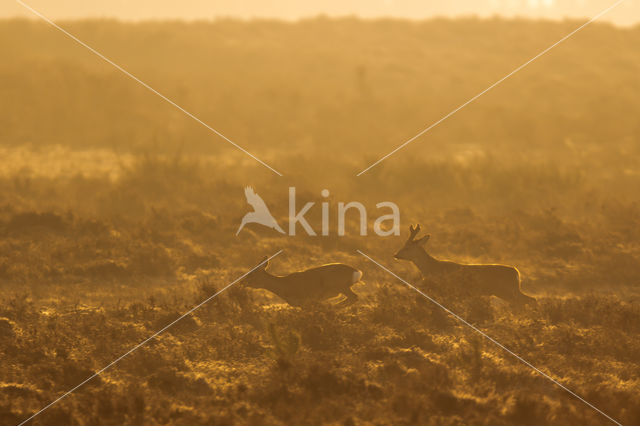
(424,239)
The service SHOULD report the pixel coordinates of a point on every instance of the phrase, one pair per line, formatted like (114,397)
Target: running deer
(487,280)
(315,284)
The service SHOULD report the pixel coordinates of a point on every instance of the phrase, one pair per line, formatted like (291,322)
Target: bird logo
(260,213)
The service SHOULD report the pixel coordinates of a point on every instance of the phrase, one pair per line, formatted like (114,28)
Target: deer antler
(413,231)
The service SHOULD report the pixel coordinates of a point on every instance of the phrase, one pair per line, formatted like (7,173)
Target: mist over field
(118,213)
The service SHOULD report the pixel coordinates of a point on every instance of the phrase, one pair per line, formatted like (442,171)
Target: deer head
(256,278)
(413,249)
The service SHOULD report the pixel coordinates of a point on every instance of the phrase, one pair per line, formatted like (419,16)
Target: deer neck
(427,264)
(273,283)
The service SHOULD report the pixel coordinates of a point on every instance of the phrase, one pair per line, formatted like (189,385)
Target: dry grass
(118,228)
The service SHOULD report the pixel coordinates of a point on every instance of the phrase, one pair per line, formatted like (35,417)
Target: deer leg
(528,300)
(519,300)
(351,296)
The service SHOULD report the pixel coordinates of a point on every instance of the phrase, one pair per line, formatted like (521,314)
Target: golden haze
(118,213)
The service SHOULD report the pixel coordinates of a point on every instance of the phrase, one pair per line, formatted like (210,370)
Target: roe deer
(299,288)
(489,280)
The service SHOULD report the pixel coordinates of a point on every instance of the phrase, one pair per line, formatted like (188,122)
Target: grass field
(118,214)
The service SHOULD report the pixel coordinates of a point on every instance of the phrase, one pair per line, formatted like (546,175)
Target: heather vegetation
(118,214)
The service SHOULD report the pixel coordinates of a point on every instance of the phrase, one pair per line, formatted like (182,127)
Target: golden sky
(626,14)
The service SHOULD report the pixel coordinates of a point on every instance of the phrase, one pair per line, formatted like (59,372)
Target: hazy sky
(625,14)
